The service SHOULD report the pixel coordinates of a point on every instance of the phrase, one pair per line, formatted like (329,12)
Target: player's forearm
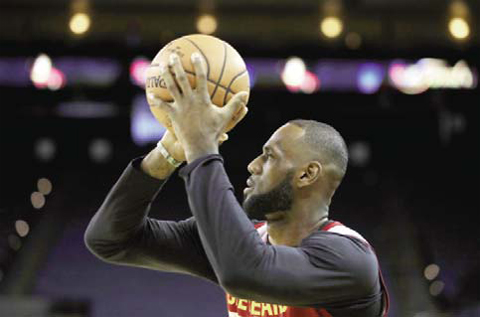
(228,236)
(122,213)
(155,165)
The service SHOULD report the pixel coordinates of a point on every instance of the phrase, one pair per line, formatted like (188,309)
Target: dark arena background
(398,78)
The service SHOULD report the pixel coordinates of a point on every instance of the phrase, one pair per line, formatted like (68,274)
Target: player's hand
(175,148)
(198,124)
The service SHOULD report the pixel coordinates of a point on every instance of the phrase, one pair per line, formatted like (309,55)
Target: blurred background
(398,79)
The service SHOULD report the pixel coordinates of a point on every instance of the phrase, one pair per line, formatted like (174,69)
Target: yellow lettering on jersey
(241,304)
(253,307)
(230,299)
(282,308)
(267,308)
(275,309)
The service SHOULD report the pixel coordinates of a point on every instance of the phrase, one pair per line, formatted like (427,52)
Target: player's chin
(246,193)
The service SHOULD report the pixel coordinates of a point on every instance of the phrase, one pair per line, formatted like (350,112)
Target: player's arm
(320,274)
(122,233)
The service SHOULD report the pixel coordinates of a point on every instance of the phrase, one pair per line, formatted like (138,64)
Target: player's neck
(296,225)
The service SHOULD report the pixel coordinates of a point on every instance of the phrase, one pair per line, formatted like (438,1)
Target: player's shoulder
(338,239)
(342,249)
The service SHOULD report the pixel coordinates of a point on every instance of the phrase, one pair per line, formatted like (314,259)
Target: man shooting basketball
(296,263)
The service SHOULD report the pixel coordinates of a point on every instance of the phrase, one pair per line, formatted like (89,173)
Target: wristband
(167,155)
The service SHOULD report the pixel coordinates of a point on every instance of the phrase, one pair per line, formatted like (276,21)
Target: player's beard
(280,198)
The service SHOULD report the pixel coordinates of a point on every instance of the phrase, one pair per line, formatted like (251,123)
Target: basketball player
(295,262)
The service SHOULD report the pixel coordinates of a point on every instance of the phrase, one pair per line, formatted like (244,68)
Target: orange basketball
(226,71)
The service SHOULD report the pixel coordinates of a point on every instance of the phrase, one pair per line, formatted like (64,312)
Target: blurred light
(431,272)
(359,153)
(293,73)
(14,242)
(144,127)
(265,71)
(370,78)
(22,228)
(138,69)
(44,186)
(206,24)
(331,27)
(86,109)
(310,83)
(56,80)
(37,199)
(44,75)
(44,149)
(20,66)
(407,79)
(353,40)
(459,28)
(92,71)
(431,73)
(336,75)
(40,72)
(458,123)
(79,23)
(398,78)
(436,288)
(100,150)
(252,74)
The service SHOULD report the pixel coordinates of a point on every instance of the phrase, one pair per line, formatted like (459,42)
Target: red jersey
(238,307)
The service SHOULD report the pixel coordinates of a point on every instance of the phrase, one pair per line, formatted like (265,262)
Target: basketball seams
(228,90)
(217,83)
(221,71)
(201,52)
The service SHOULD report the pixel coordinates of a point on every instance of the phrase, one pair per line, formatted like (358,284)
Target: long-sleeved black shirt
(327,270)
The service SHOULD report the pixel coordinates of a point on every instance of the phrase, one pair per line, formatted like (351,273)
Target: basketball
(226,70)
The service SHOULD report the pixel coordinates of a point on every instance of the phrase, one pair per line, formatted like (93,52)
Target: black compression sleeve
(122,233)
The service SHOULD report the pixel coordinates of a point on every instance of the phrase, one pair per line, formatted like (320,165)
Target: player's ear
(309,174)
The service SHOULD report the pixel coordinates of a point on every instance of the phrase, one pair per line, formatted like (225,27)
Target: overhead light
(294,72)
(44,186)
(359,153)
(37,199)
(138,69)
(45,149)
(436,288)
(331,26)
(206,24)
(370,77)
(79,23)
(431,272)
(41,69)
(459,28)
(14,242)
(100,150)
(22,228)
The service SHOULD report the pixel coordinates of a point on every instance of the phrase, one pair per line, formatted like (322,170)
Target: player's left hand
(198,124)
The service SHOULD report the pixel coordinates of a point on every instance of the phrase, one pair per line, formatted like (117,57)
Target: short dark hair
(326,143)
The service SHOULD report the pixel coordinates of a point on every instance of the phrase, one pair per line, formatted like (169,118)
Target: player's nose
(254,167)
